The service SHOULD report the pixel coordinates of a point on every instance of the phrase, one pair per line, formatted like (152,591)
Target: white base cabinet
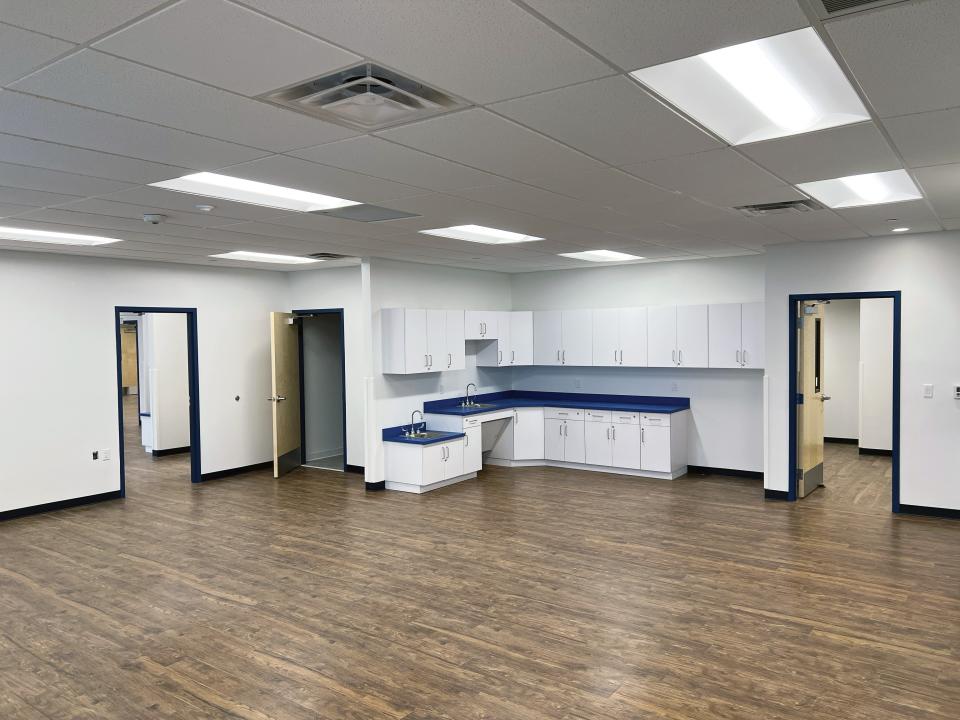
(418,468)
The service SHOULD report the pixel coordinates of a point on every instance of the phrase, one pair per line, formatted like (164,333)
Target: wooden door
(285,365)
(606,337)
(662,336)
(726,349)
(810,334)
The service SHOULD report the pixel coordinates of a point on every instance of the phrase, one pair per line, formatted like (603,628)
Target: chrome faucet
(413,429)
(467,402)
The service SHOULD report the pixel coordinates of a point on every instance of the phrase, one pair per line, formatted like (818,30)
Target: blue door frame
(795,399)
(343,379)
(193,386)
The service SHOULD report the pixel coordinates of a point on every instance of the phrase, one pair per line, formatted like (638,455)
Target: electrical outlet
(928,391)
(956,392)
(96,454)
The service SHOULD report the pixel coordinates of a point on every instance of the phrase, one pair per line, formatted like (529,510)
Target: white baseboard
(679,472)
(420,489)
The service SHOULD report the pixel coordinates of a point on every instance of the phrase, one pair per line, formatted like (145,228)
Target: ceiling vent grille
(834,8)
(328,256)
(364,97)
(780,208)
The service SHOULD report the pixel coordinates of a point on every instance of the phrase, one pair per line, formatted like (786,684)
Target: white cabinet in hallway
(678,336)
(620,337)
(419,341)
(481,324)
(736,335)
(514,342)
(563,337)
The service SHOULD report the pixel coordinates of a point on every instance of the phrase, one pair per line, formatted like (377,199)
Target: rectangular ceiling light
(266,258)
(601,256)
(55,238)
(768,88)
(481,234)
(226,187)
(869,189)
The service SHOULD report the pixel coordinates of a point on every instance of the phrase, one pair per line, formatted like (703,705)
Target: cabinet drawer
(655,420)
(562,414)
(471,422)
(597,416)
(626,418)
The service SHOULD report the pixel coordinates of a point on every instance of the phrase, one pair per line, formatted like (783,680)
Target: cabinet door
(626,446)
(434,462)
(655,449)
(662,335)
(577,334)
(521,338)
(503,339)
(752,335)
(633,337)
(725,335)
(547,337)
(606,337)
(692,336)
(553,439)
(574,447)
(598,441)
(436,340)
(472,449)
(528,434)
(416,355)
(456,349)
(480,324)
(453,465)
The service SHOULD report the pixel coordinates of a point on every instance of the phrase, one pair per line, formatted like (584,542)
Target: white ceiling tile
(11,209)
(381,158)
(483,51)
(39,153)
(323,224)
(70,125)
(953,224)
(931,138)
(815,225)
(720,177)
(76,21)
(904,56)
(304,175)
(113,208)
(941,184)
(495,145)
(638,34)
(24,50)
(56,182)
(34,198)
(837,152)
(880,219)
(739,231)
(606,187)
(157,200)
(93,79)
(611,119)
(223,44)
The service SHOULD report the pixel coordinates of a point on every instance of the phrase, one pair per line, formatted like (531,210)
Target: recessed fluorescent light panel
(900,229)
(768,88)
(55,238)
(869,189)
(601,256)
(266,258)
(252,192)
(481,234)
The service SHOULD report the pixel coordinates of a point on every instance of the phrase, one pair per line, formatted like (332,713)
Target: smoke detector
(780,208)
(364,97)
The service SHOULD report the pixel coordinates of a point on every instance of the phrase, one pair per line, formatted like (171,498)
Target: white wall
(322,387)
(338,288)
(923,267)
(726,405)
(63,381)
(841,369)
(169,380)
(876,363)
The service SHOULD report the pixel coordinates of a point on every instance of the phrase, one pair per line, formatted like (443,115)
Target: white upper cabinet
(521,338)
(547,337)
(436,340)
(480,324)
(736,335)
(692,336)
(419,341)
(620,337)
(662,336)
(455,337)
(753,336)
(577,333)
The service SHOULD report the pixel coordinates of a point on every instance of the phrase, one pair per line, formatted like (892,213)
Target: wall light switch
(956,391)
(928,391)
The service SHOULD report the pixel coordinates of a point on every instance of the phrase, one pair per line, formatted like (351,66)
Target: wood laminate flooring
(526,594)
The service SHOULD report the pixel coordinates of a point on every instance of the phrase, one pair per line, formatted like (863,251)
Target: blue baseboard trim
(235,471)
(929,511)
(705,470)
(356,469)
(377,486)
(59,505)
(775,494)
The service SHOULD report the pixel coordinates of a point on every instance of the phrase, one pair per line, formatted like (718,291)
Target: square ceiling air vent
(827,9)
(365,213)
(780,208)
(364,97)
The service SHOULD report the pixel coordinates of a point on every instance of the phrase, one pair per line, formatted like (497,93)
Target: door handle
(824,398)
(276,398)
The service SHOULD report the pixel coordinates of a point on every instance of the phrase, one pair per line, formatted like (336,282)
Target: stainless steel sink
(424,434)
(474,405)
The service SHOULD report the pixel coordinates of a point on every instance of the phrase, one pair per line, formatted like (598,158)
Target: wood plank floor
(527,594)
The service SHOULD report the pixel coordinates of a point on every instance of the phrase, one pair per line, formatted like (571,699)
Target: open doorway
(844,389)
(157,389)
(309,390)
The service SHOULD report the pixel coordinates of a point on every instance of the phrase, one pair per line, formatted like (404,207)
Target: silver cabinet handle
(566,433)
(614,434)
(558,355)
(513,356)
(516,417)
(431,359)
(466,441)
(642,440)
(499,357)
(561,429)
(738,358)
(426,361)
(673,356)
(614,355)
(621,356)
(608,433)
(680,354)
(744,357)
(564,357)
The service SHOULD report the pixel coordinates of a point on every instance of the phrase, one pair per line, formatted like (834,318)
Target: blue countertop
(396,434)
(584,401)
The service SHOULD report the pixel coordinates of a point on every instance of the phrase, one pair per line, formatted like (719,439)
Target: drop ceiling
(101,98)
